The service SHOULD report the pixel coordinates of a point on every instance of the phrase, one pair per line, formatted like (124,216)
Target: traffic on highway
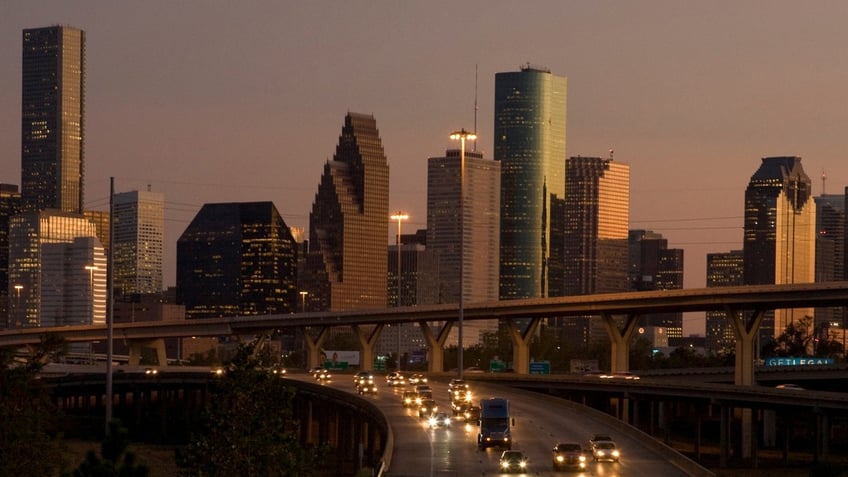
(455,427)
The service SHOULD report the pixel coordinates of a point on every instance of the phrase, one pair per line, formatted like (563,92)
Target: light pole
(399,216)
(18,289)
(462,135)
(303,301)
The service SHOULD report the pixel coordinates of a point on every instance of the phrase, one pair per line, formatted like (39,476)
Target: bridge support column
(313,346)
(137,348)
(746,334)
(520,349)
(436,343)
(620,341)
(367,343)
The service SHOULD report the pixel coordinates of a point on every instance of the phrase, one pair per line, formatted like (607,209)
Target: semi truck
(494,424)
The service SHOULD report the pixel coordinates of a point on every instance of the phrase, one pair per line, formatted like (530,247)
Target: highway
(540,422)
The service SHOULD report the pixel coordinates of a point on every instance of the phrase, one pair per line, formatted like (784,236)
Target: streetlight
(462,135)
(303,301)
(18,289)
(399,216)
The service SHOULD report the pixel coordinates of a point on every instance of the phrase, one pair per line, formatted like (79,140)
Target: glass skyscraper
(780,233)
(529,141)
(724,269)
(346,267)
(53,119)
(139,231)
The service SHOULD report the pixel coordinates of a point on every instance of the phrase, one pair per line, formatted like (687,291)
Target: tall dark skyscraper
(779,237)
(53,119)
(530,118)
(10,206)
(237,259)
(724,269)
(347,264)
(654,266)
(830,251)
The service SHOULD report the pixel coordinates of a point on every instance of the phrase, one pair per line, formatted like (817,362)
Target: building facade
(830,257)
(597,216)
(724,269)
(237,259)
(654,266)
(530,143)
(779,234)
(57,270)
(346,267)
(53,119)
(139,232)
(10,206)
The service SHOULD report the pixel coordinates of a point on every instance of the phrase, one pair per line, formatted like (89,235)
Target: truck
(494,424)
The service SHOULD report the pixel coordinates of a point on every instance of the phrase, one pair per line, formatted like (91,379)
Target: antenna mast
(824,179)
(475,107)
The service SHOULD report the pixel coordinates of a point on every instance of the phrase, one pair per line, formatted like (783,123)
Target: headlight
(432,421)
(582,458)
(560,458)
(522,464)
(615,453)
(505,464)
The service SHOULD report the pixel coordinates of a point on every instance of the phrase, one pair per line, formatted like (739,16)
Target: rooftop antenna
(611,153)
(824,179)
(474,149)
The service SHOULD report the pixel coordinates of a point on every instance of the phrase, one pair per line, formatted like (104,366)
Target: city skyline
(241,103)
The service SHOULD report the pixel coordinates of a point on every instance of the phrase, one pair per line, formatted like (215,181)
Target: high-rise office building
(237,259)
(139,231)
(654,266)
(346,267)
(597,215)
(780,236)
(474,238)
(57,270)
(10,206)
(529,141)
(724,269)
(830,256)
(53,119)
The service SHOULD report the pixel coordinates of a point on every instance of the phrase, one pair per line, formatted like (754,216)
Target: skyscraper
(480,246)
(138,231)
(237,259)
(724,269)
(779,236)
(654,266)
(53,119)
(830,251)
(10,206)
(529,141)
(57,270)
(346,267)
(597,215)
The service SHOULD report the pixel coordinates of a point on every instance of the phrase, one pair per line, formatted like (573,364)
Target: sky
(221,101)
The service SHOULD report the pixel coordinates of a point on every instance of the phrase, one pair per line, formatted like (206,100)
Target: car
(315,370)
(461,393)
(423,388)
(439,419)
(455,382)
(366,388)
(605,450)
(569,455)
(417,378)
(278,371)
(513,461)
(421,396)
(395,379)
(790,386)
(408,398)
(599,438)
(624,375)
(427,408)
(363,376)
(323,375)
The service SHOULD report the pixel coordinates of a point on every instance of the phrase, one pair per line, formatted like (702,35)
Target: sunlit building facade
(597,216)
(779,235)
(237,259)
(57,270)
(530,143)
(346,267)
(139,232)
(53,118)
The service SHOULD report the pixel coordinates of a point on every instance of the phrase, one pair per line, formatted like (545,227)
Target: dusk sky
(222,101)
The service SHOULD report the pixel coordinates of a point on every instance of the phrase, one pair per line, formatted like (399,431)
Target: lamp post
(18,289)
(462,135)
(303,301)
(399,216)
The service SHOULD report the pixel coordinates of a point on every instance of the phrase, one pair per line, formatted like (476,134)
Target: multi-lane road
(540,422)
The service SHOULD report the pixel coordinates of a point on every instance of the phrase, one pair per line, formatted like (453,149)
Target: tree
(116,461)
(249,428)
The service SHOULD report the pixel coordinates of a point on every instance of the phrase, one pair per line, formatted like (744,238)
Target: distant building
(530,142)
(57,270)
(100,219)
(724,269)
(780,236)
(10,206)
(346,266)
(830,257)
(139,232)
(237,259)
(597,215)
(654,266)
(53,119)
